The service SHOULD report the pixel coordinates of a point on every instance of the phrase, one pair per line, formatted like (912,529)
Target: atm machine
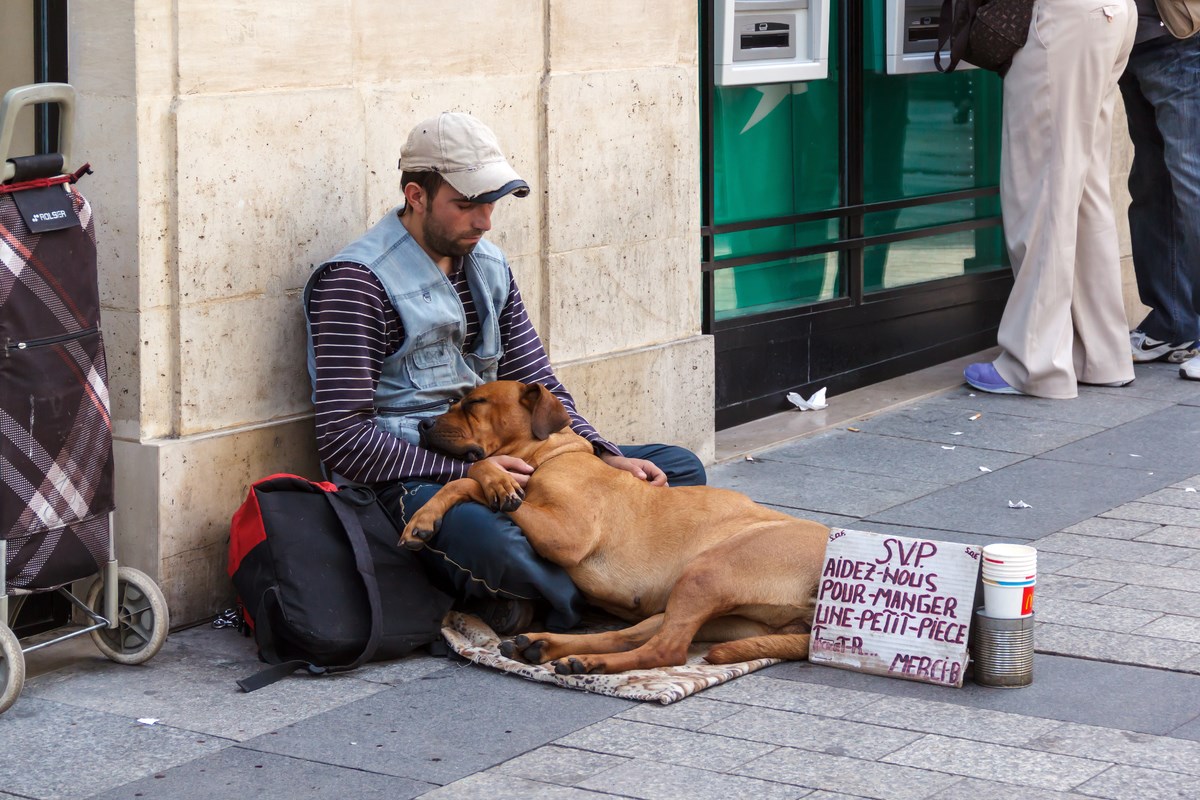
(770,41)
(912,36)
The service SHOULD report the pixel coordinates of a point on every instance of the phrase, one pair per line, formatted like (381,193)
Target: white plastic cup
(1010,554)
(1004,574)
(1008,600)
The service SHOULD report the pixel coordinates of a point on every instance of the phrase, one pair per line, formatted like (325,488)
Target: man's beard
(437,240)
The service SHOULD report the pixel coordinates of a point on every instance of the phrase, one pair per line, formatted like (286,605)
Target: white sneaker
(1190,369)
(1146,349)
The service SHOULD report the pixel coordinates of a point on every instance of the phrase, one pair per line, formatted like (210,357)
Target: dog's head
(498,417)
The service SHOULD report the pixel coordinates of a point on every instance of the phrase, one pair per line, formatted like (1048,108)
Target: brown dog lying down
(692,562)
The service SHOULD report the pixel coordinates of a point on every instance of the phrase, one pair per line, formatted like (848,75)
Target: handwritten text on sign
(896,606)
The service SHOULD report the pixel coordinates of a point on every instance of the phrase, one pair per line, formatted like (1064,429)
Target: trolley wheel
(142,618)
(12,668)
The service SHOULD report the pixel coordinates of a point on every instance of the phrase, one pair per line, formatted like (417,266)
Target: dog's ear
(546,411)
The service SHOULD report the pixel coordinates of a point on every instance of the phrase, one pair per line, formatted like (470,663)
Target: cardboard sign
(895,606)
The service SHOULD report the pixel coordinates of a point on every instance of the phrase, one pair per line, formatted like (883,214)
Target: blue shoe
(983,376)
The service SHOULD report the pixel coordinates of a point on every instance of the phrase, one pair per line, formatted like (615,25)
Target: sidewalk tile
(441,728)
(564,766)
(1153,512)
(937,422)
(1118,648)
(1064,689)
(492,784)
(949,719)
(1090,408)
(652,781)
(1155,599)
(849,775)
(1190,563)
(1111,528)
(212,704)
(1171,626)
(912,459)
(245,773)
(834,491)
(1122,747)
(1174,496)
(768,691)
(1131,573)
(1130,783)
(668,745)
(981,505)
(998,763)
(976,789)
(1114,549)
(1164,440)
(57,750)
(1092,616)
(1066,587)
(838,737)
(691,713)
(1176,535)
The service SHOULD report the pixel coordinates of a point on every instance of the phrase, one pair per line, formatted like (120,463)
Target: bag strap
(344,501)
(264,636)
(945,35)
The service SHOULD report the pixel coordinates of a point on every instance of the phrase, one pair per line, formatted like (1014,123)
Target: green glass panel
(776,153)
(758,288)
(933,257)
(926,134)
(884,222)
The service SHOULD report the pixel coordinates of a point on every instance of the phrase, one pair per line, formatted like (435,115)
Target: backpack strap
(344,502)
(956,17)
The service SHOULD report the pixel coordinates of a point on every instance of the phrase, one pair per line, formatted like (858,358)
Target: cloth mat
(468,636)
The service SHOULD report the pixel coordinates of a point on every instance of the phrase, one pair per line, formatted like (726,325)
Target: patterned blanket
(475,641)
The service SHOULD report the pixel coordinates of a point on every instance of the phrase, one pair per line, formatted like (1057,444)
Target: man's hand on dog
(503,480)
(640,468)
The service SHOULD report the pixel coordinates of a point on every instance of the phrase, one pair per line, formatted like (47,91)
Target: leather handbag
(1181,17)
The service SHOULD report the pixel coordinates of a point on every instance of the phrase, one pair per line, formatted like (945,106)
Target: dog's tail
(788,646)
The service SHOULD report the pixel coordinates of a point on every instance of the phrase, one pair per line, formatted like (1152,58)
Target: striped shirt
(354,327)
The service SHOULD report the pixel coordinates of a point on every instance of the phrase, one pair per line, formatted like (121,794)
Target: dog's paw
(512,501)
(503,494)
(524,648)
(573,665)
(419,530)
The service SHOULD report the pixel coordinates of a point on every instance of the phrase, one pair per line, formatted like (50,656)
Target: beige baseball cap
(466,153)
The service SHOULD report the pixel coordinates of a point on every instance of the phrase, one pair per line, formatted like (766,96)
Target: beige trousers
(1065,319)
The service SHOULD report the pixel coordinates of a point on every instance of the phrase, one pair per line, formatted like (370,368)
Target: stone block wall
(236,144)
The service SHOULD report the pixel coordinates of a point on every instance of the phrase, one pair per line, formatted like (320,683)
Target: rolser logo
(48,216)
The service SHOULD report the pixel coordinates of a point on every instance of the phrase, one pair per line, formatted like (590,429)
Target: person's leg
(1054,95)
(1101,347)
(1166,241)
(683,467)
(1035,329)
(478,554)
(1151,220)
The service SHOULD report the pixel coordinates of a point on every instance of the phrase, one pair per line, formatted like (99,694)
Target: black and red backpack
(322,581)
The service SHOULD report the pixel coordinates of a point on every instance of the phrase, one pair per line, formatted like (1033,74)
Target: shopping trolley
(56,467)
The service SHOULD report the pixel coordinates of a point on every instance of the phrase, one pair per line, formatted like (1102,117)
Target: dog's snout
(425,424)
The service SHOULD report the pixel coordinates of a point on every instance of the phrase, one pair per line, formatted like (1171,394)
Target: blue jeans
(479,554)
(1161,90)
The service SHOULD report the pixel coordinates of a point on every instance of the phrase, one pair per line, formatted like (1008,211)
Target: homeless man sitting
(402,323)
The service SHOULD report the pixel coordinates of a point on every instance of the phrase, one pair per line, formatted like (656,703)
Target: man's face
(453,225)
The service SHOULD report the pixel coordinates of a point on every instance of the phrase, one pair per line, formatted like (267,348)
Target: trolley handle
(32,94)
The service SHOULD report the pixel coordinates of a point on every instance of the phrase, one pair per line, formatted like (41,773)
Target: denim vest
(430,369)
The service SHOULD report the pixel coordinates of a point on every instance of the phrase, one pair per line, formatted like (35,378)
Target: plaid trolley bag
(56,448)
(55,433)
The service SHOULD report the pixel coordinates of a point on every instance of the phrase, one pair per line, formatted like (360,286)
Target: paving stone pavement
(1113,711)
